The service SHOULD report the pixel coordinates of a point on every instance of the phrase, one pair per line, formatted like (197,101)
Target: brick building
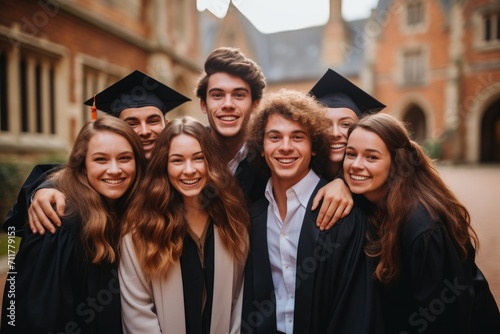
(56,54)
(441,72)
(435,64)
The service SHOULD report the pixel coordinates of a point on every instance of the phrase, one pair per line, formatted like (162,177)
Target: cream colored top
(154,305)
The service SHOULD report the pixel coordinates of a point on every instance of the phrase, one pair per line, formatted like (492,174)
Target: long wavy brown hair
(156,217)
(412,180)
(101,227)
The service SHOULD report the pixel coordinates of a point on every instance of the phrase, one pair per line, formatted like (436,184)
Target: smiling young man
(230,90)
(298,278)
(139,100)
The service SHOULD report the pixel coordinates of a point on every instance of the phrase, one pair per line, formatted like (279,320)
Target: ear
(255,104)
(203,106)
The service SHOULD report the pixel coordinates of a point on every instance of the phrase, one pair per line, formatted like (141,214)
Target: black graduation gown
(57,290)
(335,292)
(194,278)
(17,217)
(251,180)
(437,293)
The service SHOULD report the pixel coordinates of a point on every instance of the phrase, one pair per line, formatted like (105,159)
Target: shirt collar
(302,189)
(239,157)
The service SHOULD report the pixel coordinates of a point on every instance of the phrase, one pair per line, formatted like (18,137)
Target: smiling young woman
(68,280)
(182,261)
(422,239)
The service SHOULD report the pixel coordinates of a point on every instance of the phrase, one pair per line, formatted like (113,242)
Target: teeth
(149,142)
(359,178)
(190,181)
(114,181)
(335,146)
(286,161)
(228,118)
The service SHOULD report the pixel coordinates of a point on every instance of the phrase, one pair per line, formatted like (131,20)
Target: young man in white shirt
(230,91)
(300,279)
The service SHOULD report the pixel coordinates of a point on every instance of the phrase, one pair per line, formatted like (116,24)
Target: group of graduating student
(248,226)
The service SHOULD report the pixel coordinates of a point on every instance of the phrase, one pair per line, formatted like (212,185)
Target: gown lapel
(306,267)
(259,276)
(261,307)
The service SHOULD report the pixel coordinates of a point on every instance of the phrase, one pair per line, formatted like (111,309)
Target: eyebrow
(293,132)
(347,117)
(217,89)
(134,118)
(180,155)
(367,150)
(104,153)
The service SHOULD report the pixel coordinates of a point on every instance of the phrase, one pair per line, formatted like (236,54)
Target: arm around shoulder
(17,217)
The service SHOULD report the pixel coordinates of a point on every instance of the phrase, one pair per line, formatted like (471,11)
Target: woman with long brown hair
(183,259)
(68,281)
(423,240)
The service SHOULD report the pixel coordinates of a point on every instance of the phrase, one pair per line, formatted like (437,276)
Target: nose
(286,145)
(228,101)
(357,163)
(335,131)
(114,168)
(143,129)
(189,167)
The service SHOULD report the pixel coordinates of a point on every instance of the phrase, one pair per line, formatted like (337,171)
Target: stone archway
(415,121)
(490,133)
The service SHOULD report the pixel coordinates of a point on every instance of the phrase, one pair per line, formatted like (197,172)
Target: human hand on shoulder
(41,212)
(337,203)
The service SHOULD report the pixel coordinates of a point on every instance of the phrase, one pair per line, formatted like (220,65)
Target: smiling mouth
(148,142)
(359,178)
(287,160)
(337,146)
(114,181)
(190,182)
(228,118)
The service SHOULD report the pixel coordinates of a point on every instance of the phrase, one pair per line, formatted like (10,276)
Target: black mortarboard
(335,91)
(137,90)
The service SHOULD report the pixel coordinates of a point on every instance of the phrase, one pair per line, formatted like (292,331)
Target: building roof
(291,55)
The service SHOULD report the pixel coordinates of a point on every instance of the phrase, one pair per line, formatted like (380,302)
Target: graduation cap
(134,91)
(335,91)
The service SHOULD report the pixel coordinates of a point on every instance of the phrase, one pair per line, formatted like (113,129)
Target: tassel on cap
(94,110)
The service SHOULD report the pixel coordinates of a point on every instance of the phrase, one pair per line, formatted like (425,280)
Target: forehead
(340,113)
(184,144)
(277,122)
(364,139)
(108,142)
(226,81)
(140,113)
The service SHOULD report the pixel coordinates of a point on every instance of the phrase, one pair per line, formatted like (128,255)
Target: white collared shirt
(282,244)
(239,157)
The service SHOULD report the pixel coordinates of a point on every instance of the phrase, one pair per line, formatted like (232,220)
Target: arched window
(414,119)
(490,134)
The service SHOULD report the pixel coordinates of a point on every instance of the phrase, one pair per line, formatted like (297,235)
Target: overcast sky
(270,16)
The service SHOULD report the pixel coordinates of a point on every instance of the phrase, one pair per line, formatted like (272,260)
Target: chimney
(336,42)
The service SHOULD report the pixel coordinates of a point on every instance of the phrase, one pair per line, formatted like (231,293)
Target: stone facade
(56,54)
